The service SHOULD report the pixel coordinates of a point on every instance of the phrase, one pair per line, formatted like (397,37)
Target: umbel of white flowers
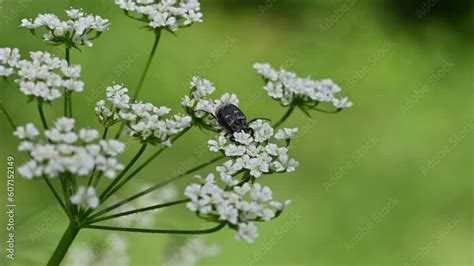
(43,76)
(199,107)
(238,206)
(164,14)
(66,152)
(287,87)
(237,203)
(77,31)
(145,121)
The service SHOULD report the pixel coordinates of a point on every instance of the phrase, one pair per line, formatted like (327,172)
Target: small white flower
(342,103)
(30,169)
(27,132)
(88,135)
(243,138)
(112,147)
(286,133)
(262,130)
(85,197)
(234,150)
(280,206)
(247,232)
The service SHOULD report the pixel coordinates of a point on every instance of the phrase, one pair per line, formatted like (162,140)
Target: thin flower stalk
(149,208)
(158,231)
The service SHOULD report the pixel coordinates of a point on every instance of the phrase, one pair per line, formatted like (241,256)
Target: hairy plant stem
(159,231)
(149,208)
(7,116)
(142,78)
(64,244)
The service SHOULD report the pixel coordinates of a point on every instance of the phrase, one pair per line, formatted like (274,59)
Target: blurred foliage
(354,165)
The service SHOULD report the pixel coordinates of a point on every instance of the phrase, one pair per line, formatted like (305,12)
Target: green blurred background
(387,182)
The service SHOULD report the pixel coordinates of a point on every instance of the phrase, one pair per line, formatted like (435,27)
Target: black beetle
(231,118)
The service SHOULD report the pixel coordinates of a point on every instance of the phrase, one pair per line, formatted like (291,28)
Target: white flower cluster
(145,121)
(253,152)
(67,152)
(239,206)
(168,14)
(41,77)
(9,58)
(85,197)
(78,30)
(199,106)
(287,87)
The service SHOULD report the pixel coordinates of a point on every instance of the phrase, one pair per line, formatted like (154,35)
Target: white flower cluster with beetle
(200,107)
(73,161)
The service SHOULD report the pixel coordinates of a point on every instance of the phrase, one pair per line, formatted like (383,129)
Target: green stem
(149,208)
(143,165)
(7,116)
(55,193)
(285,116)
(64,245)
(69,97)
(91,177)
(66,93)
(159,231)
(159,185)
(131,175)
(147,66)
(124,171)
(41,113)
(328,112)
(142,78)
